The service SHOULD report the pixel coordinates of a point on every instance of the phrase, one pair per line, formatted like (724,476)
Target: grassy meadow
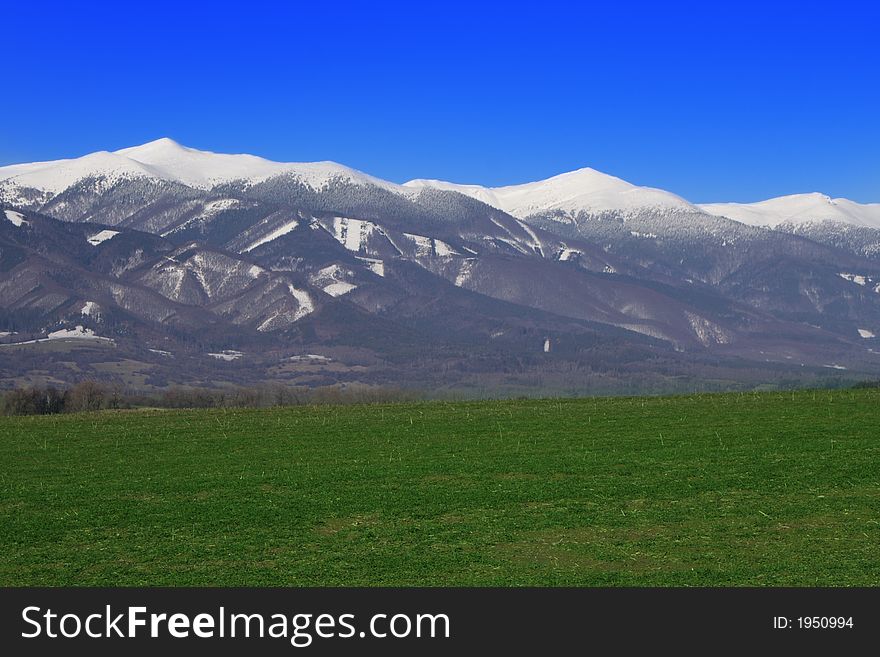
(727,489)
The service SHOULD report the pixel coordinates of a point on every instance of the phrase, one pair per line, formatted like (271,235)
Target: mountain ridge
(581,189)
(172,256)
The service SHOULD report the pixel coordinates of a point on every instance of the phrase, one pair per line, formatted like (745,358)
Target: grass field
(734,489)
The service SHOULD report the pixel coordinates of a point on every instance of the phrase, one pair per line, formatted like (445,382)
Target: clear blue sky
(711,100)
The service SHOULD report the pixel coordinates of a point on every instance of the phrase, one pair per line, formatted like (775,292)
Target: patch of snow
(76,333)
(514,244)
(303,299)
(339,288)
(213,208)
(274,235)
(160,352)
(707,332)
(835,367)
(226,354)
(376,266)
(255,271)
(514,240)
(464,273)
(567,253)
(309,357)
(333,271)
(333,280)
(90,309)
(854,278)
(423,244)
(102,236)
(351,233)
(270,322)
(285,316)
(17,218)
(536,243)
(442,249)
(865,333)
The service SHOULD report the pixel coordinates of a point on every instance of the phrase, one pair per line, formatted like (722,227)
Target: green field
(728,489)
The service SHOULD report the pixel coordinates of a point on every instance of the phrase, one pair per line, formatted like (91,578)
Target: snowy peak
(205,169)
(163,145)
(581,190)
(799,209)
(195,168)
(165,159)
(584,189)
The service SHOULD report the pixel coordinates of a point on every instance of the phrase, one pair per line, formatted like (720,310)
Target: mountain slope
(227,260)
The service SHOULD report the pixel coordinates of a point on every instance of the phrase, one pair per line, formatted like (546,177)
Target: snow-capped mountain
(797,209)
(584,190)
(165,159)
(841,223)
(204,170)
(177,252)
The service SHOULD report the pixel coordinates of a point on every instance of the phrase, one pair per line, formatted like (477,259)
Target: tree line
(90,396)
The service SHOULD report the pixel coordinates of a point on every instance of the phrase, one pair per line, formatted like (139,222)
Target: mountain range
(161,264)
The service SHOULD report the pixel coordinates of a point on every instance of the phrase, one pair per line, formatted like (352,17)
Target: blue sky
(715,101)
